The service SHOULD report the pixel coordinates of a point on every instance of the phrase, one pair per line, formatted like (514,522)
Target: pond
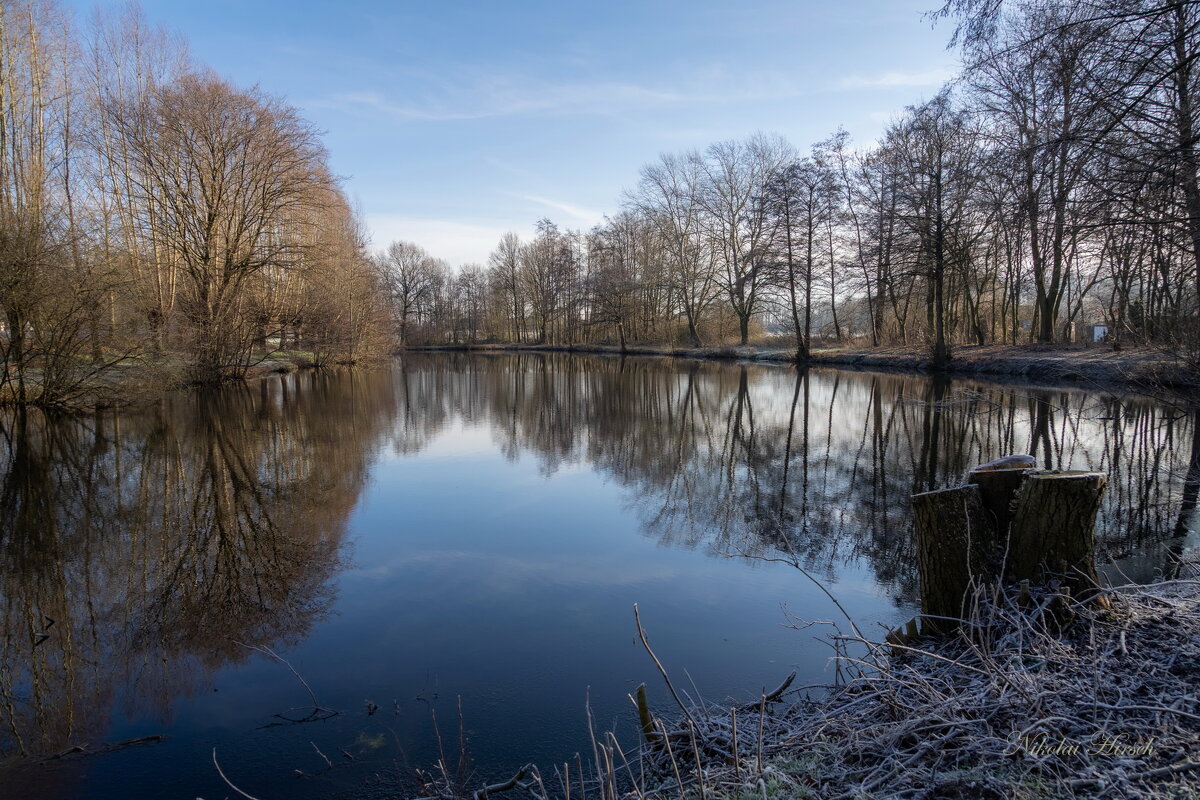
(447,554)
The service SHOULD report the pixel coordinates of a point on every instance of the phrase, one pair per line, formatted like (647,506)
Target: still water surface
(476,529)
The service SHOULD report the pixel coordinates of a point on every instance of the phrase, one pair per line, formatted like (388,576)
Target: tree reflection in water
(135,548)
(748,458)
(154,539)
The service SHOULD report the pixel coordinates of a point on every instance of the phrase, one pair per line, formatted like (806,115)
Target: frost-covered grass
(1020,704)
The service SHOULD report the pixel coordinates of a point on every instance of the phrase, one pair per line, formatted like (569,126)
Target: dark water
(480,528)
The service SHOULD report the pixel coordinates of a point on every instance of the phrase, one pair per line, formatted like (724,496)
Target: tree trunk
(16,351)
(693,334)
(1189,179)
(94,334)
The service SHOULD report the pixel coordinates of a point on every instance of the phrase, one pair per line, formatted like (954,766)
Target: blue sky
(453,122)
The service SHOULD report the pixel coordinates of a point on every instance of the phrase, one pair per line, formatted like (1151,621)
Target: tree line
(154,213)
(1053,183)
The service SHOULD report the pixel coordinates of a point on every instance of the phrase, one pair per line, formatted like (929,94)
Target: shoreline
(1096,366)
(139,383)
(1144,370)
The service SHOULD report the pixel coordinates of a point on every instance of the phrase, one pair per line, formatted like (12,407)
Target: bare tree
(409,276)
(668,196)
(505,264)
(801,200)
(219,173)
(735,219)
(937,148)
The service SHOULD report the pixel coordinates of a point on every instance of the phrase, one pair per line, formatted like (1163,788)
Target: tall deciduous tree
(801,200)
(218,173)
(735,176)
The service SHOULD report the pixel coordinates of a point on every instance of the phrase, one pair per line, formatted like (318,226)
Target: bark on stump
(1008,524)
(1053,530)
(956,543)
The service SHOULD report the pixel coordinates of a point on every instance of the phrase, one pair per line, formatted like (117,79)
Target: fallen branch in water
(84,750)
(322,755)
(774,696)
(316,715)
(496,788)
(318,712)
(226,779)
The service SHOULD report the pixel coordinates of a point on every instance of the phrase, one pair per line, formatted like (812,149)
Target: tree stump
(1009,523)
(1053,530)
(998,489)
(956,545)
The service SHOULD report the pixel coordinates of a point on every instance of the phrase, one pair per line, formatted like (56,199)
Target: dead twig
(662,670)
(503,786)
(226,779)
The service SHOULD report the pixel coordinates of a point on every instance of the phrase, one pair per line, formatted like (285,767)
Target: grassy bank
(136,380)
(1143,367)
(1140,367)
(1013,707)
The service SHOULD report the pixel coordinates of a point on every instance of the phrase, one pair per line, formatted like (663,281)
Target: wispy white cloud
(472,94)
(480,97)
(524,173)
(892,80)
(377,101)
(585,215)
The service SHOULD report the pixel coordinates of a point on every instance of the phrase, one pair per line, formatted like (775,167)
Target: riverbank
(135,381)
(138,380)
(1141,367)
(1008,709)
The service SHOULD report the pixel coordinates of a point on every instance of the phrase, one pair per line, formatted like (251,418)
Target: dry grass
(1012,707)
